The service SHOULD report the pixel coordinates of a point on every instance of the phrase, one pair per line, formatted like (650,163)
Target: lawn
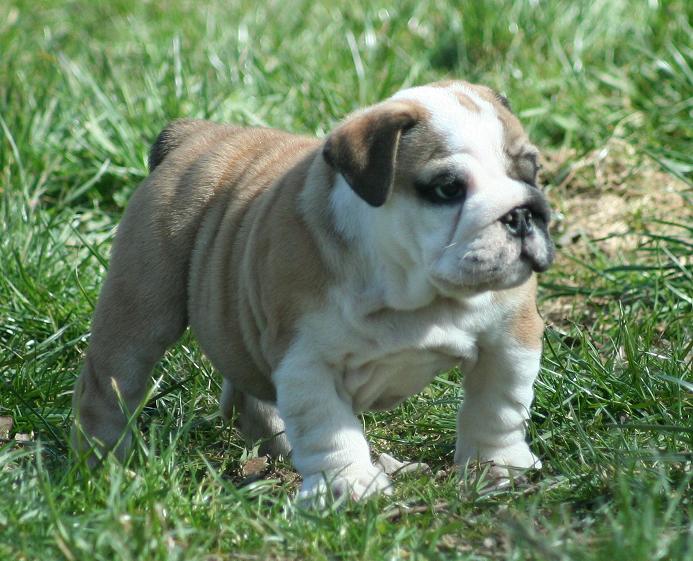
(605,88)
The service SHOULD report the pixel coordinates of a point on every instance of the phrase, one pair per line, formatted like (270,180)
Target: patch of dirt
(606,203)
(610,192)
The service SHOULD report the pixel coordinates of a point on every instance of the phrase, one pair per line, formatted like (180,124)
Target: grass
(605,88)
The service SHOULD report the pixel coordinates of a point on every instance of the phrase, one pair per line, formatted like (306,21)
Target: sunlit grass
(84,89)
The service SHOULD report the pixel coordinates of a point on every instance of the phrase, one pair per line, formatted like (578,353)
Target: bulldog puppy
(323,278)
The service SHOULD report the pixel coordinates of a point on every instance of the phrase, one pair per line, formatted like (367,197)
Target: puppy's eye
(449,192)
(446,188)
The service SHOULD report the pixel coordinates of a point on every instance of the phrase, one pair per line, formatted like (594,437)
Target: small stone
(254,467)
(5,427)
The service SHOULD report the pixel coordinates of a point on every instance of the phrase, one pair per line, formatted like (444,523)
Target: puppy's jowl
(327,277)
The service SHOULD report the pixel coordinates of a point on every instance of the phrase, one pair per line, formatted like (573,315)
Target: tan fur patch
(526,325)
(252,232)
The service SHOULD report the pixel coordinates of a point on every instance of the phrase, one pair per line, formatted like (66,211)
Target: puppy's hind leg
(141,311)
(257,420)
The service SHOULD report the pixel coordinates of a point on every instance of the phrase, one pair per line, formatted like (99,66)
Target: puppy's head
(443,178)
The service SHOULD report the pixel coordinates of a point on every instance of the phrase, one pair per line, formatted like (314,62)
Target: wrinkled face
(456,197)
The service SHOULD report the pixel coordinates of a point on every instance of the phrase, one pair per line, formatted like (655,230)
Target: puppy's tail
(171,138)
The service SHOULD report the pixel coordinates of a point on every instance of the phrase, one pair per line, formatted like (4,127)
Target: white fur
(396,240)
(328,445)
(498,394)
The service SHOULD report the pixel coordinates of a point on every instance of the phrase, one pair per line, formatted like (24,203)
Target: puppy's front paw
(353,482)
(507,460)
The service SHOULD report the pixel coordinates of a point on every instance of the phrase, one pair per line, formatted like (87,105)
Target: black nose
(518,221)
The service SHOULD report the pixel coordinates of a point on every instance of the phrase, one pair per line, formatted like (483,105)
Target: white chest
(385,382)
(382,358)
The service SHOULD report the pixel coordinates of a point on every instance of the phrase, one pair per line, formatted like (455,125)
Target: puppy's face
(447,182)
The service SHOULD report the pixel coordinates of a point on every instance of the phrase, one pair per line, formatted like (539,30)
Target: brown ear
(364,148)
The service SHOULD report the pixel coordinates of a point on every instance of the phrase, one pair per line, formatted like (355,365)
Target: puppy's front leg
(328,445)
(497,397)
